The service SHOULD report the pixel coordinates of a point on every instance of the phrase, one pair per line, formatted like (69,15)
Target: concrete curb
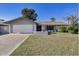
(18,45)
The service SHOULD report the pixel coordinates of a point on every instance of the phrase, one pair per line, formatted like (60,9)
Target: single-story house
(25,25)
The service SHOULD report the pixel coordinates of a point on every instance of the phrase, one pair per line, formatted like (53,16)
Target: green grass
(47,45)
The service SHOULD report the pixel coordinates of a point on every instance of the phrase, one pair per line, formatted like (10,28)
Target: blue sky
(45,11)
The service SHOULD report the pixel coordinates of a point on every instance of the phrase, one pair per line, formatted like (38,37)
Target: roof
(40,23)
(51,23)
(15,19)
(2,23)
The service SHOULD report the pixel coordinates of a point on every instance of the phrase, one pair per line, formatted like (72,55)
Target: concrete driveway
(9,42)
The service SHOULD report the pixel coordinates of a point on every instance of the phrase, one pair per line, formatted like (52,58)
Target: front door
(38,28)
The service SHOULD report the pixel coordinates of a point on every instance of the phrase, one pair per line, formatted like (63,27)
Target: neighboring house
(23,25)
(3,28)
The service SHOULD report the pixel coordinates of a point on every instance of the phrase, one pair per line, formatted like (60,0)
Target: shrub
(76,28)
(73,29)
(70,29)
(62,29)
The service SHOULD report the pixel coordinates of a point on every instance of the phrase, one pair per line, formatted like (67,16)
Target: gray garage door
(22,28)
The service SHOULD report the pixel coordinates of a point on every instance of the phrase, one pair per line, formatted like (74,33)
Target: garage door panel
(23,28)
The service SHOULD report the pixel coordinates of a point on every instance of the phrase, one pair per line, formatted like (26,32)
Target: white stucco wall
(43,28)
(22,26)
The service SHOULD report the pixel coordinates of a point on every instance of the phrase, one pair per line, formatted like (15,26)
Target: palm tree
(52,19)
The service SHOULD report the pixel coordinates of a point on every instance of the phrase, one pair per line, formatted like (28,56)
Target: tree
(72,20)
(52,19)
(29,13)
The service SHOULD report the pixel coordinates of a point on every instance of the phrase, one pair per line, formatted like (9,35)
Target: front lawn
(44,45)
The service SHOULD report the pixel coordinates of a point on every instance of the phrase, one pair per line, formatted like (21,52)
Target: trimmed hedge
(71,29)
(62,29)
